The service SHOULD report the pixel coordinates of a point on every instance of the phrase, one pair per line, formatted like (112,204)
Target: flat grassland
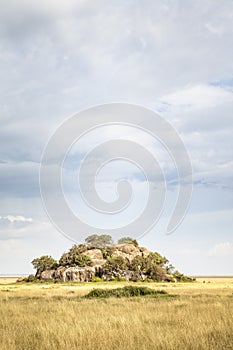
(55,316)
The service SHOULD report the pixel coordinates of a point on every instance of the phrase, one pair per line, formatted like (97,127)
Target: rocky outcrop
(111,262)
(94,254)
(97,257)
(86,273)
(129,251)
(76,274)
(127,275)
(48,275)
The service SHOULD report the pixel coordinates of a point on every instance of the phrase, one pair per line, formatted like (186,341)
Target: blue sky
(173,57)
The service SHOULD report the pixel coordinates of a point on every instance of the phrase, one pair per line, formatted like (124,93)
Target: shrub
(107,252)
(180,277)
(128,291)
(150,265)
(115,263)
(30,278)
(156,273)
(117,279)
(148,280)
(170,279)
(120,279)
(96,279)
(75,257)
(138,264)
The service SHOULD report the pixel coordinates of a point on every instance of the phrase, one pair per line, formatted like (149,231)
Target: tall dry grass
(53,317)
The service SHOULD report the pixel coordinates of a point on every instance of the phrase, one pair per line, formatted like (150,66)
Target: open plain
(53,316)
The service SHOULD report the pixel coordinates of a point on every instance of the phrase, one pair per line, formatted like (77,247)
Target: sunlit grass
(55,316)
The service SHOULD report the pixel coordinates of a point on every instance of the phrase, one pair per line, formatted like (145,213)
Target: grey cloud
(59,57)
(120,44)
(19,180)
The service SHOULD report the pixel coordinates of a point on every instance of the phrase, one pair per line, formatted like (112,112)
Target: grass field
(55,316)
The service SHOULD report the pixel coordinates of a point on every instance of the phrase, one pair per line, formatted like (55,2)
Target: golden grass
(54,316)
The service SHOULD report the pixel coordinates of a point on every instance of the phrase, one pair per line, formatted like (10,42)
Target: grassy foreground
(55,316)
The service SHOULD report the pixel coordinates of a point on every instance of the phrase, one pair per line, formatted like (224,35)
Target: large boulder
(22,278)
(127,248)
(97,257)
(144,251)
(47,275)
(65,274)
(127,251)
(94,254)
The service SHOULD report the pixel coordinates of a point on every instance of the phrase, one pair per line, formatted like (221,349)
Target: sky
(175,57)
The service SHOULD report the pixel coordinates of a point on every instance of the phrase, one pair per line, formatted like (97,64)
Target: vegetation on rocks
(74,257)
(43,263)
(128,240)
(98,259)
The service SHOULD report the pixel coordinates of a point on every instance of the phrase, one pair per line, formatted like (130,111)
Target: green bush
(117,279)
(31,278)
(74,257)
(43,263)
(148,280)
(96,279)
(171,279)
(120,279)
(180,277)
(107,252)
(128,291)
(115,263)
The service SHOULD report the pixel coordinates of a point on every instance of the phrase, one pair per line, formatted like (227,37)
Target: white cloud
(13,226)
(221,249)
(17,218)
(198,97)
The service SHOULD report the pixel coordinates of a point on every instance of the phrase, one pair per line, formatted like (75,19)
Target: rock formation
(111,262)
(95,261)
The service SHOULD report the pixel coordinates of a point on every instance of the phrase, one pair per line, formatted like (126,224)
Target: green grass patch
(125,292)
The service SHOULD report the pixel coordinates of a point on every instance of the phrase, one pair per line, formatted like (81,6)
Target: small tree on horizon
(99,241)
(45,262)
(128,240)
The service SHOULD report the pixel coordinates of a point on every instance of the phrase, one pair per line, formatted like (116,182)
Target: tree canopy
(128,240)
(75,257)
(99,241)
(43,263)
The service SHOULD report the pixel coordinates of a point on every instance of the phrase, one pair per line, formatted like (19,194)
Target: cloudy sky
(174,57)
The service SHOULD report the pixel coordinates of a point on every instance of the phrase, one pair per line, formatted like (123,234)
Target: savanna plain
(51,316)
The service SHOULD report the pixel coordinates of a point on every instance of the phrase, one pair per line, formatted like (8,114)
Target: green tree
(180,277)
(43,263)
(74,257)
(99,241)
(158,259)
(128,240)
(153,266)
(155,272)
(138,264)
(115,263)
